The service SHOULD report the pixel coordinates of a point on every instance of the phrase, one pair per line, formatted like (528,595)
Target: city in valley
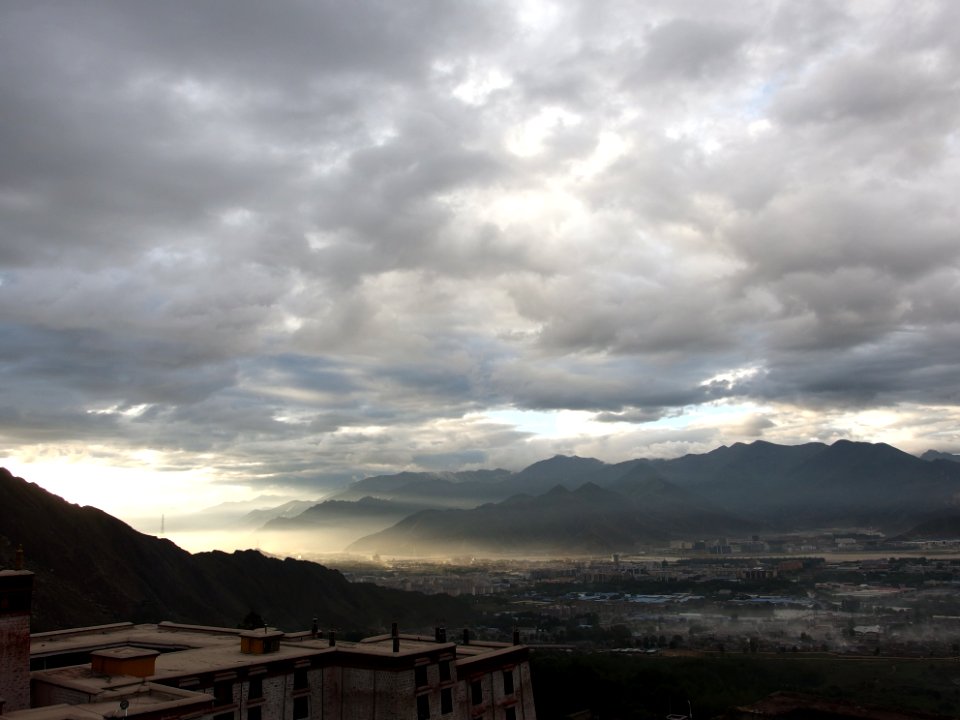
(843,594)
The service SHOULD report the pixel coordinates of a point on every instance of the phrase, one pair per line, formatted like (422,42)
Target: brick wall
(15,594)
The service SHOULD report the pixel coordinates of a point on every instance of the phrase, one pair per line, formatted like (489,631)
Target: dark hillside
(940,527)
(92,568)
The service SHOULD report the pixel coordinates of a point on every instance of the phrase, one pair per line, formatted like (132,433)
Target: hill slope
(92,568)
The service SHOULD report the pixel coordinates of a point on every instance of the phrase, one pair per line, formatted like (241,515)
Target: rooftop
(143,698)
(192,650)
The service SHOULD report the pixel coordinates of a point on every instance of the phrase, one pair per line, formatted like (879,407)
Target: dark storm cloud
(326,239)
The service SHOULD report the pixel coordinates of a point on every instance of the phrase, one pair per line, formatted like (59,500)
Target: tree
(252,621)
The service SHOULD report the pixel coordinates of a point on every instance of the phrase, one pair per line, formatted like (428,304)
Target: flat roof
(142,697)
(197,650)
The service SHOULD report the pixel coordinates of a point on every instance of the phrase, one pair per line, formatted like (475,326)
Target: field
(628,686)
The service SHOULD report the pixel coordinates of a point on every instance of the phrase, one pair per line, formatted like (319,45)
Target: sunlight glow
(529,138)
(478,86)
(554,424)
(124,486)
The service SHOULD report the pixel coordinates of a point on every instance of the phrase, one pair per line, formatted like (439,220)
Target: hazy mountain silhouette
(337,512)
(257,518)
(731,490)
(944,526)
(589,519)
(937,455)
(461,489)
(92,568)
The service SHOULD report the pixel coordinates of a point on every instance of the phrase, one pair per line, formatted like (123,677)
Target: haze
(248,248)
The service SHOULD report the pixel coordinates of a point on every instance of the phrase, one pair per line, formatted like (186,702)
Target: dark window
(511,713)
(476,692)
(444,670)
(301,707)
(299,679)
(255,713)
(508,682)
(420,675)
(423,707)
(223,716)
(446,701)
(223,693)
(256,689)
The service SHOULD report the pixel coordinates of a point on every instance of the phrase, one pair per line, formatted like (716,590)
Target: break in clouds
(301,242)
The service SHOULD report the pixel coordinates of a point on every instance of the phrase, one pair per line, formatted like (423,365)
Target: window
(423,707)
(510,713)
(223,716)
(476,692)
(301,707)
(508,682)
(299,678)
(444,670)
(255,713)
(223,693)
(446,701)
(255,689)
(420,675)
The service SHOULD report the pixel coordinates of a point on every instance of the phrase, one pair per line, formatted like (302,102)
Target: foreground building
(171,671)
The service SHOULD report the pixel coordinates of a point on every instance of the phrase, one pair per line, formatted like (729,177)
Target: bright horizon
(265,251)
(125,493)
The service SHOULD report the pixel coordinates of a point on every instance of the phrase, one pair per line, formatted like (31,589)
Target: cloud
(300,245)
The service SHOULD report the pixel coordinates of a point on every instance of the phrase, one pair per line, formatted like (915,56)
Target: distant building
(171,671)
(753,547)
(868,632)
(757,573)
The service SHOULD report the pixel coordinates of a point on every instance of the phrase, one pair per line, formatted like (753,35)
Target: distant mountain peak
(565,461)
(931,455)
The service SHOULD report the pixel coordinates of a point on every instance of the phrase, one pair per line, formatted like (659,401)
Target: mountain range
(573,504)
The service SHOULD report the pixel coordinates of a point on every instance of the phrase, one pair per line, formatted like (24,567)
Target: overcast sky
(257,247)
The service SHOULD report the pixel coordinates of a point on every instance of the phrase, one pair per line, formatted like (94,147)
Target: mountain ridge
(745,488)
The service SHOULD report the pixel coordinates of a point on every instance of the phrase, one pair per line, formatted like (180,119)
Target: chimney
(443,634)
(516,636)
(315,628)
(254,642)
(394,630)
(16,591)
(396,644)
(132,661)
(333,638)
(466,636)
